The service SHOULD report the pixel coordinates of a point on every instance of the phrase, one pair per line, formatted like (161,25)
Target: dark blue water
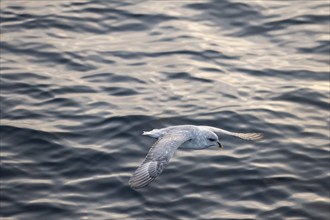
(81,80)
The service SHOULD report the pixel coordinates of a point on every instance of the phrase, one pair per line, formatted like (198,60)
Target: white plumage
(169,140)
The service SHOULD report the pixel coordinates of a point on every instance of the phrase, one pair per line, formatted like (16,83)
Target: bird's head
(210,139)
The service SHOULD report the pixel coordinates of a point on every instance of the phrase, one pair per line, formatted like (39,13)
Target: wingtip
(136,185)
(141,177)
(254,136)
(132,185)
(245,136)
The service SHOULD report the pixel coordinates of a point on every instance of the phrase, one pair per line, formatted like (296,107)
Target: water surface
(81,80)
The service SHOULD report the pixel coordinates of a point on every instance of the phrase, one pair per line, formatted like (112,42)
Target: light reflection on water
(80,81)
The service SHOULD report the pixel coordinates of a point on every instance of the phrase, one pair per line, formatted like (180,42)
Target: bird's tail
(146,133)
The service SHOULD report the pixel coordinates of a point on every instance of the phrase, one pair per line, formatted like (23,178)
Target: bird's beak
(220,145)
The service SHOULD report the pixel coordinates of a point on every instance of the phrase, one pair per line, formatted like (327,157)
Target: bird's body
(169,140)
(195,134)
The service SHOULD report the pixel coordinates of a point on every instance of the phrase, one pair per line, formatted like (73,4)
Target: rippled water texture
(81,80)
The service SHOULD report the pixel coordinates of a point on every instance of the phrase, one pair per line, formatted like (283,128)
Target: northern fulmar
(169,140)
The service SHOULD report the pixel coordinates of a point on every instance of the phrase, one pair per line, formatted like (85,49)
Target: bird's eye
(211,139)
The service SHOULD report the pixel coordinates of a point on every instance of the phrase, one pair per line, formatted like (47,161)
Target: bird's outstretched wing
(245,136)
(157,158)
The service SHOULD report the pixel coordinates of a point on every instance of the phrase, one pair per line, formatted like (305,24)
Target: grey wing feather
(249,136)
(245,136)
(157,159)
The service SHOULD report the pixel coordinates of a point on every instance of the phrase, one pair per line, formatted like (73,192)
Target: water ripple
(80,81)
